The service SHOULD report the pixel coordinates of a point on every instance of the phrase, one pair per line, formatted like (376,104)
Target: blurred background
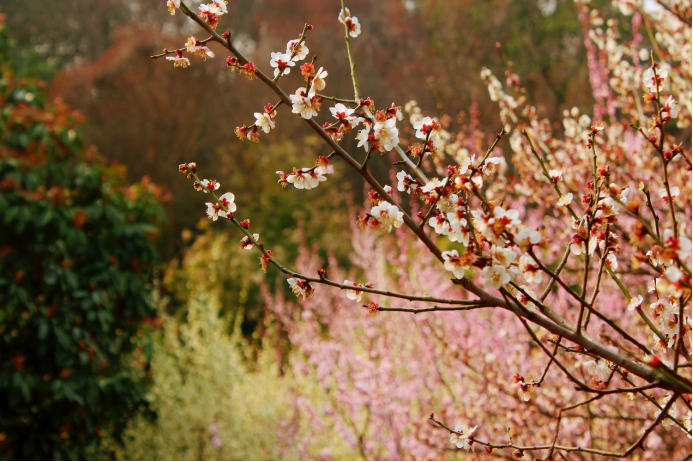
(146,116)
(95,56)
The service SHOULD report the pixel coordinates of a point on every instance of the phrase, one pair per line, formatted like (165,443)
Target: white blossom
(525,300)
(463,440)
(502,255)
(527,237)
(318,83)
(666,422)
(281,62)
(179,61)
(300,288)
(599,367)
(353,294)
(495,276)
(565,200)
(299,51)
(305,178)
(215,211)
(635,303)
(362,136)
(264,121)
(651,82)
(556,175)
(303,103)
(675,191)
(388,215)
(352,22)
(172,5)
(530,270)
(387,134)
(345,114)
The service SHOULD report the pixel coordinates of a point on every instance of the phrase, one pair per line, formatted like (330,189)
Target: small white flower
(439,224)
(458,229)
(299,51)
(433,184)
(565,200)
(194,46)
(525,300)
(345,114)
(351,22)
(305,178)
(454,263)
(598,367)
(652,83)
(304,104)
(423,127)
(263,121)
(388,215)
(675,191)
(387,134)
(210,185)
(247,244)
(508,217)
(670,109)
(608,207)
(672,412)
(281,62)
(172,5)
(612,261)
(502,256)
(405,182)
(556,175)
(179,61)
(221,4)
(362,136)
(635,303)
(495,276)
(464,439)
(215,211)
(527,237)
(682,246)
(530,270)
(300,287)
(323,166)
(353,294)
(318,83)
(491,166)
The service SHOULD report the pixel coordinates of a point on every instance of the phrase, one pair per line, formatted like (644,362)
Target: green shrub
(201,380)
(76,263)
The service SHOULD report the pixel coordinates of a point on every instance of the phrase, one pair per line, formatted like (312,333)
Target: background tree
(77,258)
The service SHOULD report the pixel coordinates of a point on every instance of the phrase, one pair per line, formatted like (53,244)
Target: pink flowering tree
(551,277)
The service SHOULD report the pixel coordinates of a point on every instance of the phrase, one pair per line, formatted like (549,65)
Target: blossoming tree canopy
(573,244)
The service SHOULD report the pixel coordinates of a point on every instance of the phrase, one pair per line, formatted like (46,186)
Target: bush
(207,402)
(76,262)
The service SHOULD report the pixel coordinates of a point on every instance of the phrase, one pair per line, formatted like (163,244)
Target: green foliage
(203,386)
(200,379)
(76,263)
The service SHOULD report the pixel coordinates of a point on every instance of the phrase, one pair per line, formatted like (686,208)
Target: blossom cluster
(567,205)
